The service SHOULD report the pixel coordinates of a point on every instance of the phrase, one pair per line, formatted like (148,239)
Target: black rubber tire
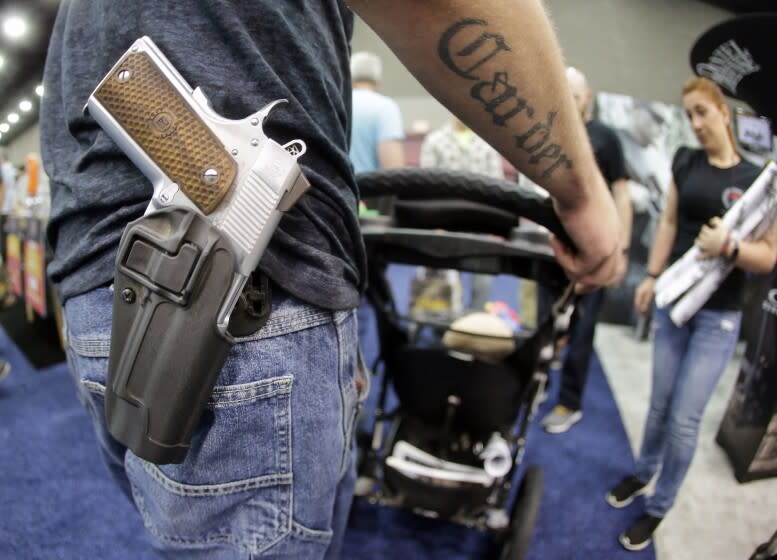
(413,183)
(524,515)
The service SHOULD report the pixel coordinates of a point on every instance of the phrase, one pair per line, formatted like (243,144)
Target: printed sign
(748,431)
(13,254)
(35,267)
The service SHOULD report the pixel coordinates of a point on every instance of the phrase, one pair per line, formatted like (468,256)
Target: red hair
(713,92)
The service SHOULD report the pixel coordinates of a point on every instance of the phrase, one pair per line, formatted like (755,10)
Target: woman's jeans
(688,362)
(270,471)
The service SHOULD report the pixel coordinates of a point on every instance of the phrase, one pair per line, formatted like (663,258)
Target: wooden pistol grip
(158,118)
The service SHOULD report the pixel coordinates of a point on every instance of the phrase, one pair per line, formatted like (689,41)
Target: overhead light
(25,105)
(13,118)
(5,127)
(2,61)
(14,27)
(39,91)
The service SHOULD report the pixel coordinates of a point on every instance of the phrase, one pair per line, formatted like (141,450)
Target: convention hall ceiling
(23,56)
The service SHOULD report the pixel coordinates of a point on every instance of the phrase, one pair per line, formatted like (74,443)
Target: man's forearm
(496,65)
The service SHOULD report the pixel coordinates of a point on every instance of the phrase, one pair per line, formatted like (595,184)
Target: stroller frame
(427,454)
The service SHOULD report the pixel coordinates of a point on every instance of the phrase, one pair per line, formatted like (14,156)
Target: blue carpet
(58,501)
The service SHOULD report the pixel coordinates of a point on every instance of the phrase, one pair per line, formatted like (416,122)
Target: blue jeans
(688,362)
(270,472)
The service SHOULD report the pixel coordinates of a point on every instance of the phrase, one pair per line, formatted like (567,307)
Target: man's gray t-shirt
(243,55)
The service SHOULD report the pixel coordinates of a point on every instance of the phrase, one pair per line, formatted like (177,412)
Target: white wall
(25,143)
(636,47)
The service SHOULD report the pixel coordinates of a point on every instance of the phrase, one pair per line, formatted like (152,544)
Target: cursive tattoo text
(464,52)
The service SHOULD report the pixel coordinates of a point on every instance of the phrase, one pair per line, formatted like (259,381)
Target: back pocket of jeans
(234,486)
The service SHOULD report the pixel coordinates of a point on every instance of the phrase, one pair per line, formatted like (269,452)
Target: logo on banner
(730,196)
(728,65)
(770,303)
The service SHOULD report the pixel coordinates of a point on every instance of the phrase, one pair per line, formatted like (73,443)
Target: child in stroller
(453,446)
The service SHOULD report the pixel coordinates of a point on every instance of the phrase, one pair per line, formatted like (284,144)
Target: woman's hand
(712,238)
(643,296)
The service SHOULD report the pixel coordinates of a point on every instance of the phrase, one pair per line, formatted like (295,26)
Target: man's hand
(712,238)
(595,229)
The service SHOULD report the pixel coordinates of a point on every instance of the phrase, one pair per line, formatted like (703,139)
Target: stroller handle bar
(411,183)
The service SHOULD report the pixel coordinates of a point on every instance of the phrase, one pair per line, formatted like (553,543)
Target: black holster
(173,274)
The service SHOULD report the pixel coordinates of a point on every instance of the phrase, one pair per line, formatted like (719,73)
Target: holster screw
(128,295)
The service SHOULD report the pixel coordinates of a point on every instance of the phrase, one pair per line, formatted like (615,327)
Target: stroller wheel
(524,516)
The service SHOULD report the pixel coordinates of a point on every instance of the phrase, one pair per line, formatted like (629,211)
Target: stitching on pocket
(303,532)
(281,323)
(226,395)
(90,347)
(223,489)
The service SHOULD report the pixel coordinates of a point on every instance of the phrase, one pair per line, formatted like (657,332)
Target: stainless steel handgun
(220,189)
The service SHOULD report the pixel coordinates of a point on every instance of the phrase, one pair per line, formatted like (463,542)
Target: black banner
(748,431)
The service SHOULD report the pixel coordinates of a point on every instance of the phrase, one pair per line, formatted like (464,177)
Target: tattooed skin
(496,94)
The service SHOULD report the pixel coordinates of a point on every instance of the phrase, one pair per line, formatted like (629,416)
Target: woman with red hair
(689,360)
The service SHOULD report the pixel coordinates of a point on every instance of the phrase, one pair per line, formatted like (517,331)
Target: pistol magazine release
(233,183)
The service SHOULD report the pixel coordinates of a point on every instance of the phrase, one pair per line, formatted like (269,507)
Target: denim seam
(229,402)
(279,324)
(224,489)
(221,392)
(286,323)
(90,347)
(305,533)
(348,416)
(340,316)
(94,386)
(228,395)
(284,458)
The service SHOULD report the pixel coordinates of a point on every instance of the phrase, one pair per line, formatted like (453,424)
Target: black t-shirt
(705,191)
(243,55)
(607,150)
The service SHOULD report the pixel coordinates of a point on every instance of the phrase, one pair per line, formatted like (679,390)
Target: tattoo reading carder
(496,94)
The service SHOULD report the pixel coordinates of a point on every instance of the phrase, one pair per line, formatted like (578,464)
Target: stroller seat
(428,380)
(454,443)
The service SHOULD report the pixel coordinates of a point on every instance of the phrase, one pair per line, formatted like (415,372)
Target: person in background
(456,147)
(278,483)
(689,360)
(377,134)
(8,198)
(648,166)
(580,345)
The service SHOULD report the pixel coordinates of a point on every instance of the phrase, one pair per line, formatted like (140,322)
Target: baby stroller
(453,445)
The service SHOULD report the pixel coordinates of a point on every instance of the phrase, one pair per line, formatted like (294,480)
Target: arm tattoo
(495,93)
